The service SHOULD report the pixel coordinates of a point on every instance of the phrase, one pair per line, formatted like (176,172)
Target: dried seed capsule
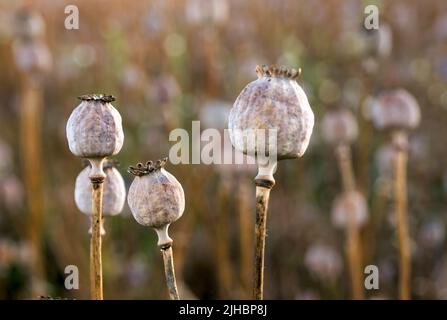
(339,127)
(273,101)
(348,203)
(32,57)
(396,110)
(324,262)
(114,194)
(94,129)
(156,198)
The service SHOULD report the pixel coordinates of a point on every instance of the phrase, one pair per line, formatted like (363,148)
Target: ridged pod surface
(156,198)
(94,129)
(273,101)
(352,202)
(396,110)
(114,194)
(339,127)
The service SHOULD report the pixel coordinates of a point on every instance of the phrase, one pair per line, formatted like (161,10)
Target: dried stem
(400,191)
(168,260)
(97,177)
(262,199)
(96,243)
(30,125)
(245,237)
(353,243)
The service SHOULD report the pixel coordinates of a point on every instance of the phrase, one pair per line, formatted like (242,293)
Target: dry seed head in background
(155,197)
(339,127)
(94,129)
(345,204)
(273,101)
(323,262)
(114,194)
(396,110)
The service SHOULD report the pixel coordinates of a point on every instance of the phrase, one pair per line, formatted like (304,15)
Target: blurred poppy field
(171,62)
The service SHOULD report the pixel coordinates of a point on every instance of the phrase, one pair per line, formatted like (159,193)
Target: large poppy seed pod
(114,192)
(156,198)
(94,130)
(339,127)
(396,110)
(273,101)
(352,202)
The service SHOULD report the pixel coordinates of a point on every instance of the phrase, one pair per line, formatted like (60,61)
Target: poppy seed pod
(114,194)
(396,110)
(339,127)
(156,198)
(351,202)
(273,101)
(32,56)
(94,130)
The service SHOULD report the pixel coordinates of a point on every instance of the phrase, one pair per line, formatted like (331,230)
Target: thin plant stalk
(97,178)
(353,240)
(264,183)
(400,193)
(30,127)
(245,237)
(168,260)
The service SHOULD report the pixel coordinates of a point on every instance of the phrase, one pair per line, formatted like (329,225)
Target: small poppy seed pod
(351,202)
(32,56)
(396,110)
(273,101)
(114,194)
(94,130)
(339,127)
(156,198)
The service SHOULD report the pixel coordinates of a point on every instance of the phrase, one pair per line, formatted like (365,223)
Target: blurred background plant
(171,62)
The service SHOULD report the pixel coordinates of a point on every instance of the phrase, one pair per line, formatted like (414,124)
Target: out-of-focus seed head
(114,192)
(29,24)
(396,110)
(94,129)
(339,127)
(155,197)
(323,262)
(348,203)
(274,101)
(32,57)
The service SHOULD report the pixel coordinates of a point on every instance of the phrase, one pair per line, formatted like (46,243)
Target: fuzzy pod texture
(94,129)
(273,101)
(352,202)
(339,127)
(155,197)
(396,110)
(114,192)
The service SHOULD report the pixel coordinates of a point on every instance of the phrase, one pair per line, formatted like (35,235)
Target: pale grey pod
(396,110)
(114,192)
(32,56)
(155,197)
(273,101)
(94,129)
(352,202)
(339,127)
